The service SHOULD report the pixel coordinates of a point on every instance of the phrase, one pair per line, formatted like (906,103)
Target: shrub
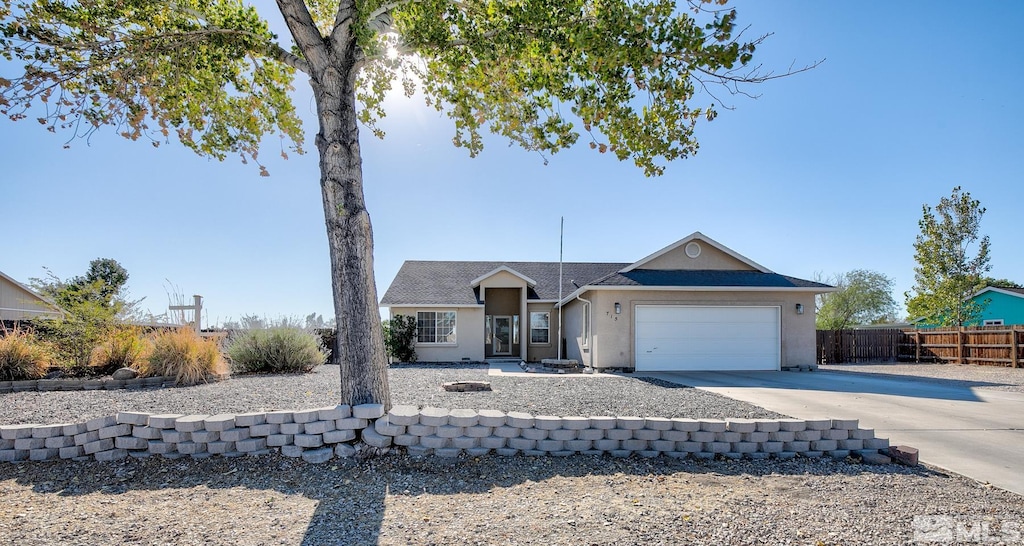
(279,349)
(23,356)
(399,334)
(72,339)
(180,353)
(123,347)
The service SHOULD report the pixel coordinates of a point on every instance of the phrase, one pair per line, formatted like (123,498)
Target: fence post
(917,346)
(1014,359)
(197,310)
(960,345)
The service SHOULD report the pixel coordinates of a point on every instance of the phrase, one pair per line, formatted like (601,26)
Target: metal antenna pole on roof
(561,240)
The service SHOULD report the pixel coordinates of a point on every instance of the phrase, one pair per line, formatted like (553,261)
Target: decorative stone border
(48,385)
(317,435)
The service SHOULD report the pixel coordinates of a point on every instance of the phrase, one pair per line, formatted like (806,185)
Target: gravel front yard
(491,500)
(413,385)
(397,499)
(982,377)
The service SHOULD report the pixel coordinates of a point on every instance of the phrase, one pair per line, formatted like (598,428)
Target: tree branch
(275,51)
(272,50)
(347,13)
(304,32)
(387,8)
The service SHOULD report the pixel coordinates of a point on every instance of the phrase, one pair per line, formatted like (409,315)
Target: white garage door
(691,338)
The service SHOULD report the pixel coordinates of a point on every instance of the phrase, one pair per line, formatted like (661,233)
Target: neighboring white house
(693,305)
(19,302)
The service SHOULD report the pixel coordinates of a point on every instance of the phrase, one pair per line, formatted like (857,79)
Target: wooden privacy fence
(985,345)
(849,346)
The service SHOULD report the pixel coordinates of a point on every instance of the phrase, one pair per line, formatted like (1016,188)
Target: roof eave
(812,289)
(476,282)
(997,290)
(56,308)
(425,305)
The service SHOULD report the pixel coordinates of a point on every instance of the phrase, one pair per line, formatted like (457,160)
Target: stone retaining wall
(49,385)
(317,435)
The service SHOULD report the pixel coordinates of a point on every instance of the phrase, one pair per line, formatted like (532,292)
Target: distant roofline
(56,309)
(998,290)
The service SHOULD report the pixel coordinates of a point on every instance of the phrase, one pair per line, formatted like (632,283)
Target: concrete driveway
(957,425)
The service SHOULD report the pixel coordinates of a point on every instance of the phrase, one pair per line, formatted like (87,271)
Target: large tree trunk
(332,66)
(359,346)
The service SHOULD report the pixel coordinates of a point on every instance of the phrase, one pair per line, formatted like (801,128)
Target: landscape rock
(124,374)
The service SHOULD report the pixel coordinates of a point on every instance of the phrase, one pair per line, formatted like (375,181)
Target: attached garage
(704,338)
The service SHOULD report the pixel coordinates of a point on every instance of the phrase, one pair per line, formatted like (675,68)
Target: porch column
(524,319)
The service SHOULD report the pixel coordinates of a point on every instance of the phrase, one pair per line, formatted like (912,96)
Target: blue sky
(825,172)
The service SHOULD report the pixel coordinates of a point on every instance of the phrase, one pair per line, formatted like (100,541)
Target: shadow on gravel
(351,497)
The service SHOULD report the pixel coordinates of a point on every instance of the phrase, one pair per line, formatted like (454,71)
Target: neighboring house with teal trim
(1000,307)
(1005,306)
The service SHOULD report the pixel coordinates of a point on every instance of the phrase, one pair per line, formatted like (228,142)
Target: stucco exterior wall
(503,279)
(572,325)
(709,258)
(469,335)
(539,351)
(502,301)
(614,334)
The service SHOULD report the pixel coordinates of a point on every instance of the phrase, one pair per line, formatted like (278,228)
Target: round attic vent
(692,249)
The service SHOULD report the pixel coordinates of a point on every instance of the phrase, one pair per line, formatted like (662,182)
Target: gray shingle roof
(1014,290)
(705,278)
(448,283)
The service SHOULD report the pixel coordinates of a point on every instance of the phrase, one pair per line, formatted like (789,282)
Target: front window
(993,322)
(435,327)
(540,327)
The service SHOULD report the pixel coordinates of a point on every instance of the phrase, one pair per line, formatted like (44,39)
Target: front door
(501,341)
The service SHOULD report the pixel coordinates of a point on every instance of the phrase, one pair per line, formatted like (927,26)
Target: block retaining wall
(317,435)
(49,385)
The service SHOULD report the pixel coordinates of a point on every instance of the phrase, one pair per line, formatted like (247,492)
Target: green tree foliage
(863,297)
(91,303)
(399,336)
(946,275)
(108,275)
(625,76)
(1001,283)
(102,288)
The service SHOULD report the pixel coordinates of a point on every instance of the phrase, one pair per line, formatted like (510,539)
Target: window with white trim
(540,327)
(992,322)
(435,327)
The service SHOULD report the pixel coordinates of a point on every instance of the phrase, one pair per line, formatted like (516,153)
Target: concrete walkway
(512,368)
(973,431)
